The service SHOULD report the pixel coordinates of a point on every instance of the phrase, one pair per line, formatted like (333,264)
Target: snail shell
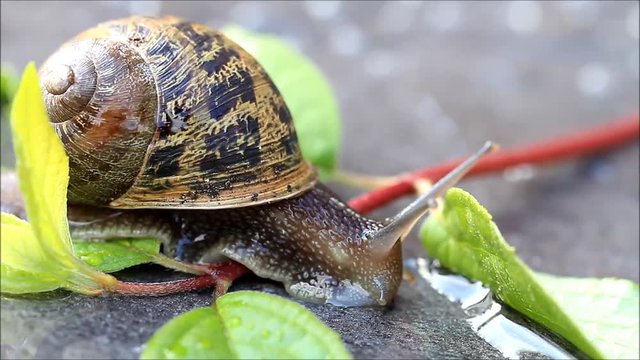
(165,113)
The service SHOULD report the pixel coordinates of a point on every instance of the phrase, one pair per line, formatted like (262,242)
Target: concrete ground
(424,82)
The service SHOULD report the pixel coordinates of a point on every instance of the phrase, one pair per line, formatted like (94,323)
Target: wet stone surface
(420,324)
(418,83)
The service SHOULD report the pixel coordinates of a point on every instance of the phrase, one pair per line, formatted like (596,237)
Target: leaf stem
(164,288)
(170,263)
(87,280)
(219,275)
(366,182)
(585,142)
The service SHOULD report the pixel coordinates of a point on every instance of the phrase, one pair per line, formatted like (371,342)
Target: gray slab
(418,83)
(420,324)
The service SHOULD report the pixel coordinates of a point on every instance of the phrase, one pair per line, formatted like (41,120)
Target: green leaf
(16,281)
(247,325)
(306,91)
(43,245)
(18,258)
(115,255)
(197,334)
(42,166)
(20,247)
(607,307)
(463,237)
(281,328)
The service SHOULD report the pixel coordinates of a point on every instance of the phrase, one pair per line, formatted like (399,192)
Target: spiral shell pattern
(166,113)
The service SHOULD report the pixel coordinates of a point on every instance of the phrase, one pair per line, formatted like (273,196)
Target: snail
(174,131)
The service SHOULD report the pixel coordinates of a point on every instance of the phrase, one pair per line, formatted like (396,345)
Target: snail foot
(225,273)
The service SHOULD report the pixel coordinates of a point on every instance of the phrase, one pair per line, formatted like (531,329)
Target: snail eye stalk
(401,224)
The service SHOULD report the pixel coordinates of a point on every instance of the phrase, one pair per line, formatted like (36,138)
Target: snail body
(312,244)
(175,132)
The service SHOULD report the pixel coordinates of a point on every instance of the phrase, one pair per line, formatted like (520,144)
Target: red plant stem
(585,142)
(199,282)
(219,275)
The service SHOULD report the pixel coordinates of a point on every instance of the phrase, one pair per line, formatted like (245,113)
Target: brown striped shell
(165,113)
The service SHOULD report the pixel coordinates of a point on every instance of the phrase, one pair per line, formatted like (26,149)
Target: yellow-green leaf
(21,259)
(197,334)
(16,281)
(463,237)
(20,248)
(43,245)
(608,309)
(42,166)
(247,325)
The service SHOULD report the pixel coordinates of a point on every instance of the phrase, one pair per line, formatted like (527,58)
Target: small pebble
(443,16)
(497,74)
(634,63)
(346,39)
(524,16)
(633,23)
(396,17)
(322,10)
(145,8)
(250,15)
(380,64)
(601,171)
(593,79)
(580,13)
(519,173)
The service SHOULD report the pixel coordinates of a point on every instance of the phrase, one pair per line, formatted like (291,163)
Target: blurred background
(419,83)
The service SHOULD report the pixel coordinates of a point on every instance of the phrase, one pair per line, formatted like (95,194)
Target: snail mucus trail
(174,131)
